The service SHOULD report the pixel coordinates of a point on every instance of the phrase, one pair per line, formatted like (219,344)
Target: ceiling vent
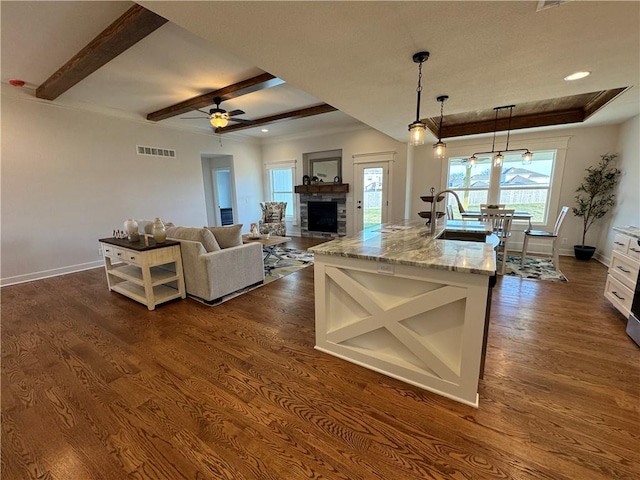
(544,4)
(156,152)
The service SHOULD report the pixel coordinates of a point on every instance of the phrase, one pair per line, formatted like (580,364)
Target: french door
(371,194)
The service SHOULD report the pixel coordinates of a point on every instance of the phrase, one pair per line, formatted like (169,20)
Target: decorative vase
(254,233)
(158,231)
(583,252)
(131,227)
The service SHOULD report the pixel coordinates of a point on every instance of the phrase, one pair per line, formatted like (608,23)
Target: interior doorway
(222,196)
(219,189)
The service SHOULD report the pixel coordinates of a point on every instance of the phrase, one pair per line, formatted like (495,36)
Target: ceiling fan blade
(192,118)
(233,113)
(242,120)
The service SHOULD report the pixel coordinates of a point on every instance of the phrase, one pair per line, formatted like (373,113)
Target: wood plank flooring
(95,386)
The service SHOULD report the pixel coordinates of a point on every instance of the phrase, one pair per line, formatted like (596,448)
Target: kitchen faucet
(435,204)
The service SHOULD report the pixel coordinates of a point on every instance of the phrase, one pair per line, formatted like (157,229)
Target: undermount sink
(463,236)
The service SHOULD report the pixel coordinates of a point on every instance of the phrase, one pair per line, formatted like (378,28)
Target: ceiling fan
(219,117)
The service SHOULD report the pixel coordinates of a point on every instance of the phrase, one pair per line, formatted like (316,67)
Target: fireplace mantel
(323,188)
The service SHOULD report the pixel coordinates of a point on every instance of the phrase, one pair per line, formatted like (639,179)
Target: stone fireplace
(337,201)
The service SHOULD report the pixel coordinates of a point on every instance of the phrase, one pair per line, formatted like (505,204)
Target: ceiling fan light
(498,160)
(218,120)
(416,133)
(439,150)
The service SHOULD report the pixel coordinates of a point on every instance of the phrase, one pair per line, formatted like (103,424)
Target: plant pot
(583,252)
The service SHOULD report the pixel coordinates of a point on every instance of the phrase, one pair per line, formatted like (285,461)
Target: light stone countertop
(416,247)
(629,230)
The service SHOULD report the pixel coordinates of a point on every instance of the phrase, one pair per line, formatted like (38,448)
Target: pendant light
(417,128)
(498,159)
(440,148)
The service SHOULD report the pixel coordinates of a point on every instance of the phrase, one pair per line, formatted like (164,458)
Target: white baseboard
(55,272)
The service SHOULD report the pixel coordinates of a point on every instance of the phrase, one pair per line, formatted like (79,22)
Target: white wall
(71,176)
(627,209)
(352,143)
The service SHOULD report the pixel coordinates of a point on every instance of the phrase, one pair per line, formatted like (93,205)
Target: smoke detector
(544,4)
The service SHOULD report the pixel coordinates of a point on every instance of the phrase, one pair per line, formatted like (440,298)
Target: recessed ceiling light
(265,130)
(577,76)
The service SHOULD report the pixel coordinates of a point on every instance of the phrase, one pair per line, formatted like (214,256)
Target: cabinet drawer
(620,296)
(108,250)
(634,249)
(131,256)
(621,243)
(624,269)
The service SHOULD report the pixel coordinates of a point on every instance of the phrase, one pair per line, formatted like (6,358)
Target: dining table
(517,215)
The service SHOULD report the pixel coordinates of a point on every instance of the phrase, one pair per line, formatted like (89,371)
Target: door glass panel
(372,196)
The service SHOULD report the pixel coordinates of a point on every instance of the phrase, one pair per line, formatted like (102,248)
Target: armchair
(272,220)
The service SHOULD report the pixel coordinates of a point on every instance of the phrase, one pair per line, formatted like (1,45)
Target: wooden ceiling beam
(134,25)
(602,99)
(558,111)
(293,114)
(255,84)
(517,123)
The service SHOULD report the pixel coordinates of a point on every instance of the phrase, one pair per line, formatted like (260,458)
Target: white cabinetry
(148,274)
(623,272)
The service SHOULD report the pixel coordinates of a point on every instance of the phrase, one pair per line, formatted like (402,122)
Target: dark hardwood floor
(95,386)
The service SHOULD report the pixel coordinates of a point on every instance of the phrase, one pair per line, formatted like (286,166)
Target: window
(525,187)
(280,185)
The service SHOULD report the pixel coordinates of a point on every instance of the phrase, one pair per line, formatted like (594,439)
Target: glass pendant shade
(439,150)
(472,161)
(416,133)
(527,157)
(498,160)
(218,120)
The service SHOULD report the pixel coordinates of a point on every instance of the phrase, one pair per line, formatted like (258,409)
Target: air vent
(156,152)
(544,4)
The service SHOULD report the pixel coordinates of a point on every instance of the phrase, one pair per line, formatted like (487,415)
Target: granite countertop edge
(629,230)
(414,246)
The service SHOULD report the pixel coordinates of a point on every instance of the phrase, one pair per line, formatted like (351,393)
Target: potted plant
(595,198)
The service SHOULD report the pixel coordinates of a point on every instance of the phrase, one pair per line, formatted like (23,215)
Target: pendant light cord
(441,116)
(509,127)
(419,91)
(495,127)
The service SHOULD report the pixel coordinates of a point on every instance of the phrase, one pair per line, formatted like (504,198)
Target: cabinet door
(620,296)
(624,269)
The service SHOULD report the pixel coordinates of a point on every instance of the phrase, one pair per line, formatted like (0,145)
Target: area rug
(292,261)
(534,268)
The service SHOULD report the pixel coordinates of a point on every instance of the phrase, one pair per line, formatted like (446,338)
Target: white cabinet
(147,274)
(623,272)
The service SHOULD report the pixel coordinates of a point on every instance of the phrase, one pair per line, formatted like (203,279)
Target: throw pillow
(202,235)
(228,236)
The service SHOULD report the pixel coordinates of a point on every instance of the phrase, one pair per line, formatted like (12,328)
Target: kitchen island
(403,302)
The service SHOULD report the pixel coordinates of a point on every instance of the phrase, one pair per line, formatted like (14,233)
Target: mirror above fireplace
(326,166)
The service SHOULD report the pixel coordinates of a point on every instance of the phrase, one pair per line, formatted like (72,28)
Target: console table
(149,274)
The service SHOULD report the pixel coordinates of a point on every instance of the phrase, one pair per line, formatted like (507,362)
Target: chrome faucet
(434,206)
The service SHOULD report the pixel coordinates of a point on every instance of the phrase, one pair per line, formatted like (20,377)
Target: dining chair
(450,212)
(553,235)
(500,220)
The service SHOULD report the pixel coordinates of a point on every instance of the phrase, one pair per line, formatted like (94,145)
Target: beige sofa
(215,261)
